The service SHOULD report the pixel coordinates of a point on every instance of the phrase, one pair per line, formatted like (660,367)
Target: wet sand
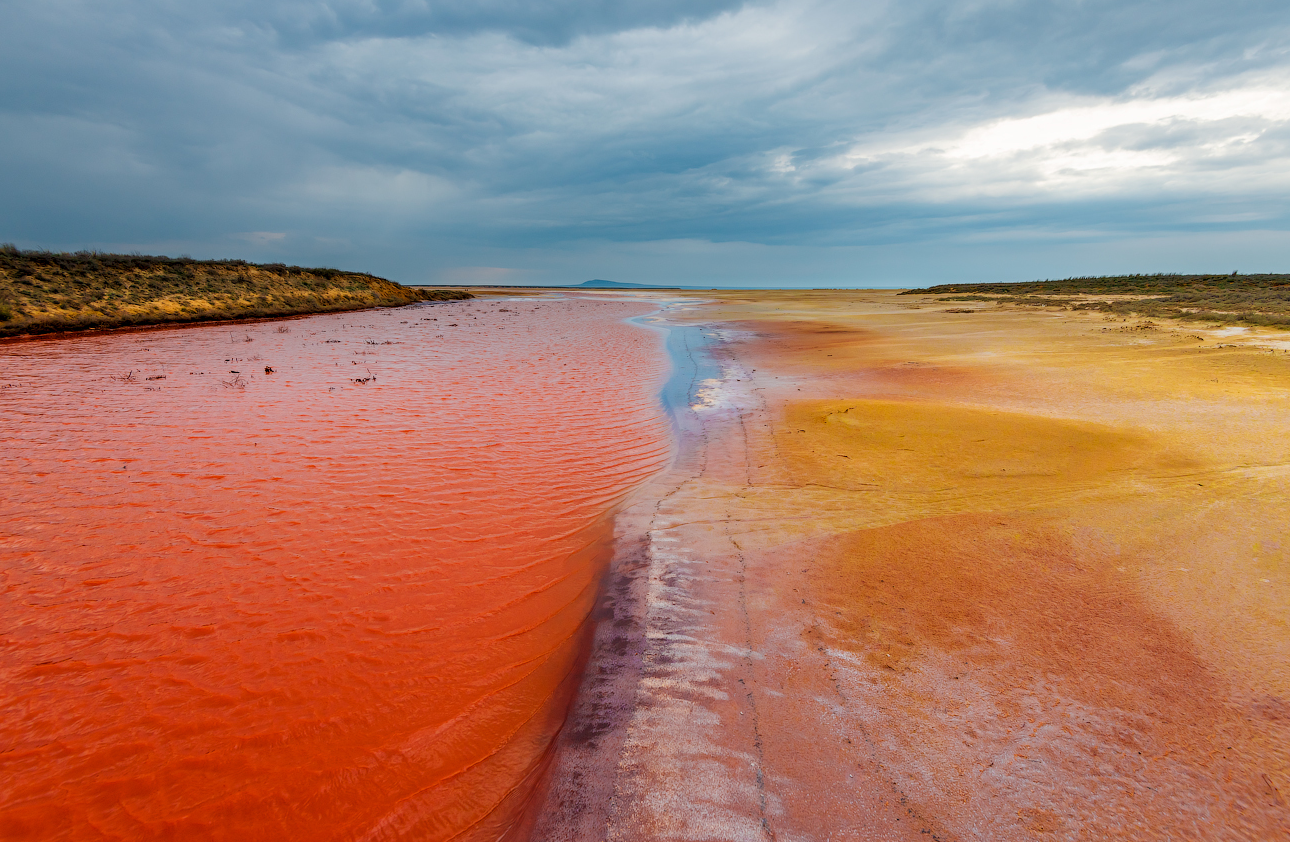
(342,599)
(1006,574)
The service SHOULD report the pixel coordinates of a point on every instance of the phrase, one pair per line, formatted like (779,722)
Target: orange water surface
(295,606)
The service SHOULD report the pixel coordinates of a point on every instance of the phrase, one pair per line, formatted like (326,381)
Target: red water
(306,607)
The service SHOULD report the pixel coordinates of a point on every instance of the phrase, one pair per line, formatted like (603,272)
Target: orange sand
(979,576)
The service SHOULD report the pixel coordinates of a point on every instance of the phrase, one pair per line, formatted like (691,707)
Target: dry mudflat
(990,575)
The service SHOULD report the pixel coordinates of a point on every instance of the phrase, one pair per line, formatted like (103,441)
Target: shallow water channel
(342,599)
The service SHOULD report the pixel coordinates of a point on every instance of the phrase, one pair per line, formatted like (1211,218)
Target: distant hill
(602,284)
(44,292)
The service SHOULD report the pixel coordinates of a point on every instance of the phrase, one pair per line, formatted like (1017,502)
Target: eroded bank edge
(574,800)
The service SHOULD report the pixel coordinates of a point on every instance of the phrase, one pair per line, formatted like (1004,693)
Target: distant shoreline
(1262,300)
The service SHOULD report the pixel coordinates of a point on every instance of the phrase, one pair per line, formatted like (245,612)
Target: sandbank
(998,574)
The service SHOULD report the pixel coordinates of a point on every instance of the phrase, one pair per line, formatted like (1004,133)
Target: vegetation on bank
(1249,299)
(44,292)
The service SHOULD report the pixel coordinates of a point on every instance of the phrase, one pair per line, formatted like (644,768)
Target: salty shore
(995,574)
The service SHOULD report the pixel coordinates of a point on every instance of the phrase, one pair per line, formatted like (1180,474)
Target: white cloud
(1084,122)
(1099,145)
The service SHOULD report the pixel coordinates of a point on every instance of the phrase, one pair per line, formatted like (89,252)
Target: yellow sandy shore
(1006,574)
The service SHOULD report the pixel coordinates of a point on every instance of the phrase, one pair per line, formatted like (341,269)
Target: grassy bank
(1249,299)
(44,292)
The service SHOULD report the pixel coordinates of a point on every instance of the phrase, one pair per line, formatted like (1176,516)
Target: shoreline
(201,321)
(178,325)
(576,800)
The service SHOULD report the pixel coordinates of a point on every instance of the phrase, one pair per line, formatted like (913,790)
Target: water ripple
(293,604)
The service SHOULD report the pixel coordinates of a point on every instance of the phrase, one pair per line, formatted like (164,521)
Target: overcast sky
(807,142)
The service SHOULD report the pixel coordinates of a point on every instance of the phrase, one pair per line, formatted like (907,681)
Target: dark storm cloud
(415,134)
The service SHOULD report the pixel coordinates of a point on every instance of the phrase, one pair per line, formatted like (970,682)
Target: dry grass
(45,292)
(1249,299)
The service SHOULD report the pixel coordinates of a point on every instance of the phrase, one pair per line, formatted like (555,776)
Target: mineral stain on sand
(919,574)
(1012,665)
(343,600)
